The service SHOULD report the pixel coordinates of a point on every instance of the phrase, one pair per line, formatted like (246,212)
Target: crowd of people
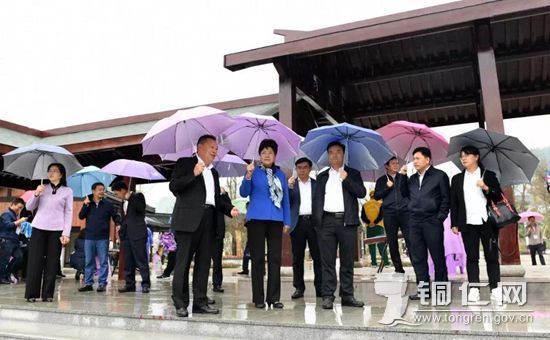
(322,213)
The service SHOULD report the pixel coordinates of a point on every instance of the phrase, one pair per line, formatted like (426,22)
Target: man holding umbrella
(195,183)
(335,212)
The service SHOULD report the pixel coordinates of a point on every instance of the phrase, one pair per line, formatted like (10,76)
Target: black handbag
(502,213)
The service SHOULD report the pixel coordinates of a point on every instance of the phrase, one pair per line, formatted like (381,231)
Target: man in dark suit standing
(133,234)
(392,189)
(336,214)
(302,229)
(429,203)
(195,183)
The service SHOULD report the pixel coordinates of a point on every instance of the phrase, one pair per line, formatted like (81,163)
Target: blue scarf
(275,186)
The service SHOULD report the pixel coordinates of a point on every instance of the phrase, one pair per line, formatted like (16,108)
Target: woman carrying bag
(472,192)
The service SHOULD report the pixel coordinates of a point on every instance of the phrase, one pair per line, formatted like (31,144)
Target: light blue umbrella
(365,148)
(81,182)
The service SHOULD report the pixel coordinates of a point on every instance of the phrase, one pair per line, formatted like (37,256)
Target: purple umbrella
(403,137)
(130,168)
(180,131)
(230,166)
(245,135)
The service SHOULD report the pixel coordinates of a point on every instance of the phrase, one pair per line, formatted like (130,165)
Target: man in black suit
(217,246)
(302,230)
(336,215)
(392,189)
(429,202)
(133,234)
(195,183)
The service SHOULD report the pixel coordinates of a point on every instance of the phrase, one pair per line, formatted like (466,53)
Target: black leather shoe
(162,276)
(32,300)
(400,270)
(101,288)
(77,276)
(145,290)
(297,294)
(182,312)
(278,305)
(259,305)
(327,303)
(86,289)
(206,309)
(352,302)
(5,282)
(126,289)
(243,273)
(218,289)
(210,301)
(47,299)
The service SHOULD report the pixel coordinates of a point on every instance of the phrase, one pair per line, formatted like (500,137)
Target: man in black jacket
(429,201)
(336,214)
(195,183)
(392,189)
(133,234)
(97,212)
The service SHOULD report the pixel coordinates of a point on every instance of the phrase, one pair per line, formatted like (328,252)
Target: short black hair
(268,143)
(18,200)
(62,171)
(336,143)
(204,138)
(96,184)
(469,150)
(119,185)
(389,160)
(304,160)
(426,152)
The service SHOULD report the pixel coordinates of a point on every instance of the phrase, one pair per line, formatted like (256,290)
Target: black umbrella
(505,155)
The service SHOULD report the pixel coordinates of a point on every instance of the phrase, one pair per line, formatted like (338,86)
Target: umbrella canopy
(525,216)
(180,131)
(365,148)
(131,168)
(244,136)
(373,175)
(505,155)
(27,195)
(230,166)
(288,165)
(32,161)
(81,182)
(222,151)
(403,137)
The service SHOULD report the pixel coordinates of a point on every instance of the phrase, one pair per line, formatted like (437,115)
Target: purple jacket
(55,212)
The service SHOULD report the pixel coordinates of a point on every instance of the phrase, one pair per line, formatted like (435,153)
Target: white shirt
(208,183)
(421,176)
(476,211)
(334,193)
(305,197)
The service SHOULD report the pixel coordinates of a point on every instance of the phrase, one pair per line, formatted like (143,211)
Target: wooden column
(492,108)
(287,101)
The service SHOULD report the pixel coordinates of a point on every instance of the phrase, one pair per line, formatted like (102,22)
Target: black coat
(133,225)
(295,201)
(395,199)
(190,193)
(458,206)
(220,222)
(432,199)
(353,189)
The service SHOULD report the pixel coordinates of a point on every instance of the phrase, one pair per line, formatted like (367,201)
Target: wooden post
(492,108)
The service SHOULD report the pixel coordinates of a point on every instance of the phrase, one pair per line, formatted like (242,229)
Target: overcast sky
(69,62)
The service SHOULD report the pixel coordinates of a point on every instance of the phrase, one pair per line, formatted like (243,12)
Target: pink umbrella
(403,137)
(27,195)
(180,131)
(525,216)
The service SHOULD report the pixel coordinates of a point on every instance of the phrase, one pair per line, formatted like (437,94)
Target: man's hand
(21,220)
(455,230)
(403,170)
(199,168)
(127,196)
(86,200)
(343,174)
(286,229)
(235,212)
(39,190)
(249,170)
(389,184)
(480,183)
(291,182)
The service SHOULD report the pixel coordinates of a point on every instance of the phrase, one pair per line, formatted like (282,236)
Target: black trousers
(44,253)
(534,250)
(171,264)
(424,235)
(392,224)
(305,232)
(246,257)
(135,256)
(195,246)
(258,233)
(217,253)
(471,235)
(335,237)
